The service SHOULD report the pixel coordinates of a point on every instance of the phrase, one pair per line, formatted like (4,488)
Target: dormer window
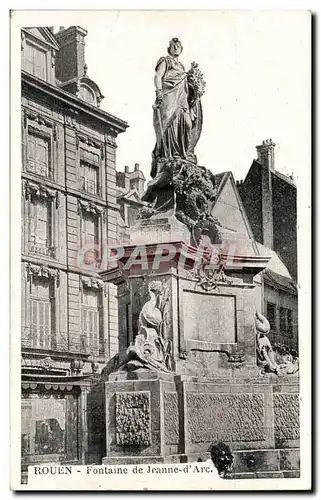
(87,95)
(35,61)
(38,52)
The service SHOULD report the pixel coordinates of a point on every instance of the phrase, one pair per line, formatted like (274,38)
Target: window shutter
(27,60)
(34,323)
(31,149)
(47,329)
(101,339)
(96,329)
(41,323)
(32,222)
(83,329)
(41,315)
(39,58)
(43,230)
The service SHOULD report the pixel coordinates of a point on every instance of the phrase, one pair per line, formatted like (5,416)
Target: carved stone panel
(171,418)
(225,417)
(133,419)
(209,318)
(286,417)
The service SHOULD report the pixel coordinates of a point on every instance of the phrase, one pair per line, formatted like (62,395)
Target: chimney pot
(126,169)
(265,154)
(136,168)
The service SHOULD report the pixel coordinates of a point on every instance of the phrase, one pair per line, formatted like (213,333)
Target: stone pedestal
(159,229)
(215,391)
(137,417)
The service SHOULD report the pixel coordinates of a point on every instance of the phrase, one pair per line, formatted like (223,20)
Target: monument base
(159,229)
(215,391)
(167,418)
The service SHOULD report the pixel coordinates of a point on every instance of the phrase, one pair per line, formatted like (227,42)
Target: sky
(257,71)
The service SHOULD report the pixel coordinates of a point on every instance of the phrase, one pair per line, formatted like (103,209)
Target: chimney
(265,154)
(123,179)
(70,61)
(137,180)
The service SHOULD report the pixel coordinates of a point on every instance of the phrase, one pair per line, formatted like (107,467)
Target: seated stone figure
(267,358)
(150,350)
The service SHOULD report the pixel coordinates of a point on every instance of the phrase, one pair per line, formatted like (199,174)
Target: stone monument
(199,368)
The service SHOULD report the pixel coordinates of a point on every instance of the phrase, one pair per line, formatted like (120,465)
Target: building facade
(130,188)
(270,201)
(69,324)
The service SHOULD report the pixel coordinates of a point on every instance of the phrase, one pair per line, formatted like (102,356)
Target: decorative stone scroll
(209,278)
(91,282)
(34,190)
(38,118)
(43,272)
(89,207)
(46,363)
(89,141)
(133,419)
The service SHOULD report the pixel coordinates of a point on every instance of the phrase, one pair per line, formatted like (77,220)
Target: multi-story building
(269,198)
(270,201)
(69,214)
(130,188)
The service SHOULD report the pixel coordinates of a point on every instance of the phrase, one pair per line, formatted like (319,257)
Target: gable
(228,209)
(132,196)
(43,36)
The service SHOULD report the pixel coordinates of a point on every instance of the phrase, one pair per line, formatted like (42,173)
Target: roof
(275,264)
(221,180)
(274,173)
(131,196)
(275,280)
(276,274)
(71,101)
(137,173)
(44,35)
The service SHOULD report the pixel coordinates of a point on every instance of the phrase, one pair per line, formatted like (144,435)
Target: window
(43,426)
(38,156)
(90,238)
(132,214)
(87,95)
(35,61)
(283,320)
(92,321)
(290,322)
(89,171)
(271,314)
(40,230)
(90,230)
(41,312)
(286,322)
